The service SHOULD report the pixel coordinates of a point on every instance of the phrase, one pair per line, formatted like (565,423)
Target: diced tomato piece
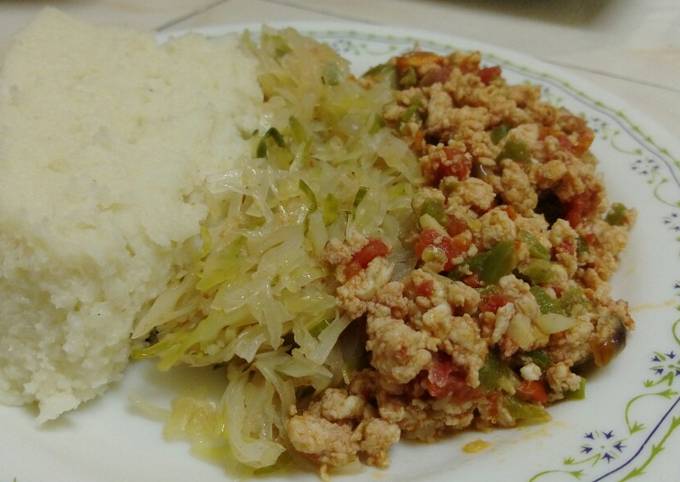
(533,391)
(468,64)
(564,141)
(566,246)
(361,259)
(455,164)
(452,247)
(455,226)
(435,390)
(590,239)
(472,281)
(445,379)
(461,170)
(438,74)
(374,249)
(418,141)
(492,302)
(427,238)
(459,245)
(426,288)
(579,207)
(581,146)
(570,124)
(489,74)
(440,370)
(352,269)
(585,140)
(418,59)
(563,131)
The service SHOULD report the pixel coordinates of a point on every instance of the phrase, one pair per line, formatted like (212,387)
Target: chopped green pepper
(378,69)
(579,393)
(546,303)
(495,375)
(455,274)
(476,263)
(410,112)
(495,263)
(516,150)
(581,246)
(409,79)
(616,215)
(434,208)
(383,71)
(540,358)
(525,413)
(536,249)
(489,373)
(498,133)
(572,299)
(538,271)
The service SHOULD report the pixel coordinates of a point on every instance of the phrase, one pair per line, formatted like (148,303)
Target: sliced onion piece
(521,331)
(550,323)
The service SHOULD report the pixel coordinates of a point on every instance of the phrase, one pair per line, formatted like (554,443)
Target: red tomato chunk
(426,288)
(451,247)
(445,379)
(533,391)
(489,74)
(493,302)
(362,258)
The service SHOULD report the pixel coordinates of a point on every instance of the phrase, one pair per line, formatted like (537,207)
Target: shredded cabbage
(259,298)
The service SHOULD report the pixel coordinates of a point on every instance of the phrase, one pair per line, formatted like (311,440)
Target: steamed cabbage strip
(259,298)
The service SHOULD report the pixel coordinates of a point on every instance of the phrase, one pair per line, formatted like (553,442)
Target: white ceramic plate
(626,429)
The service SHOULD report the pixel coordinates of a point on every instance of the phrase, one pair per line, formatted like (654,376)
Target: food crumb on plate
(476,446)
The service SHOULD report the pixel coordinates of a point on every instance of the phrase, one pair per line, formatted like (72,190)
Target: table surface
(628,47)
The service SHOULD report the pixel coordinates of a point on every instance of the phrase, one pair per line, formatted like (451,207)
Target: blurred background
(628,47)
